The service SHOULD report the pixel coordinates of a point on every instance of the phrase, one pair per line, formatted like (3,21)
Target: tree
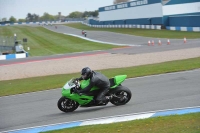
(32,17)
(95,13)
(35,17)
(47,17)
(85,14)
(4,19)
(75,14)
(12,19)
(21,20)
(29,17)
(90,13)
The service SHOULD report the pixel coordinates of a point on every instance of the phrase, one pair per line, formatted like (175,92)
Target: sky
(20,8)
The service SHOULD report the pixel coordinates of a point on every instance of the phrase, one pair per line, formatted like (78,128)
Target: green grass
(188,123)
(45,42)
(142,32)
(18,86)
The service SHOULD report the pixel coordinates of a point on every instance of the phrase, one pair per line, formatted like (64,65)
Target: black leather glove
(79,79)
(76,91)
(74,80)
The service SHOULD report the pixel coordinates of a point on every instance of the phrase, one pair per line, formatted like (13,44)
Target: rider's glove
(77,91)
(77,79)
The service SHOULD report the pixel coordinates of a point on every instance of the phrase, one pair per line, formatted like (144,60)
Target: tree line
(48,17)
(85,14)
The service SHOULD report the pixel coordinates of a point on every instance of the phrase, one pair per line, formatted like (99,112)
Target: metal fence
(7,44)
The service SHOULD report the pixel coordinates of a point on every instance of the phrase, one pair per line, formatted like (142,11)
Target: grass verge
(142,32)
(11,87)
(45,42)
(188,123)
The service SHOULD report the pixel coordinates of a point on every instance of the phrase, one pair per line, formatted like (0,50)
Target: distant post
(15,37)
(25,41)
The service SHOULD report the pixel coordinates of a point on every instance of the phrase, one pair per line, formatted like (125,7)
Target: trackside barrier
(13,56)
(158,27)
(194,29)
(42,22)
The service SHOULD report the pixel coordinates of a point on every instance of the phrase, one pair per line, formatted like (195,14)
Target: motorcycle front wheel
(67,105)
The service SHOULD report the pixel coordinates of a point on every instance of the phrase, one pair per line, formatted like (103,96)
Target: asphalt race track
(118,38)
(151,93)
(166,91)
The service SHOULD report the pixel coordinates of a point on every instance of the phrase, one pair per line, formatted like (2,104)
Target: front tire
(121,95)
(67,105)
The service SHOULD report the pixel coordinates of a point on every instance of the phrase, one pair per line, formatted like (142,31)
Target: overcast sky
(20,8)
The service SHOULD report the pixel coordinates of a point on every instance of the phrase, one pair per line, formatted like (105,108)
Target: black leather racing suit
(99,80)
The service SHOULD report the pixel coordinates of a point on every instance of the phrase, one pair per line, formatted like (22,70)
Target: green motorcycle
(71,100)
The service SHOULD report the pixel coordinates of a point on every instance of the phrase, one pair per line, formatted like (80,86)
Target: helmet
(86,73)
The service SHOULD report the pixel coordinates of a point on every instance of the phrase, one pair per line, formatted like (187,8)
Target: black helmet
(86,73)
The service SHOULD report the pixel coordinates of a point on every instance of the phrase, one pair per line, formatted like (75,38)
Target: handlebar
(76,82)
(75,90)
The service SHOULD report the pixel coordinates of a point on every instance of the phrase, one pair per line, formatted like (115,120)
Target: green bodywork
(118,80)
(84,99)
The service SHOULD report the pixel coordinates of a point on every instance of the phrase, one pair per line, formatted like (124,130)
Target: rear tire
(67,105)
(121,95)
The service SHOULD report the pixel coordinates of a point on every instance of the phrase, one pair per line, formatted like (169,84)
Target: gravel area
(95,62)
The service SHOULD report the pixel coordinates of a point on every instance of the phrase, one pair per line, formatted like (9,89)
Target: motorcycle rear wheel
(121,95)
(67,105)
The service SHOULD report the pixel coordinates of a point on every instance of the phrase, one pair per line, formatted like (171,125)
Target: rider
(96,79)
